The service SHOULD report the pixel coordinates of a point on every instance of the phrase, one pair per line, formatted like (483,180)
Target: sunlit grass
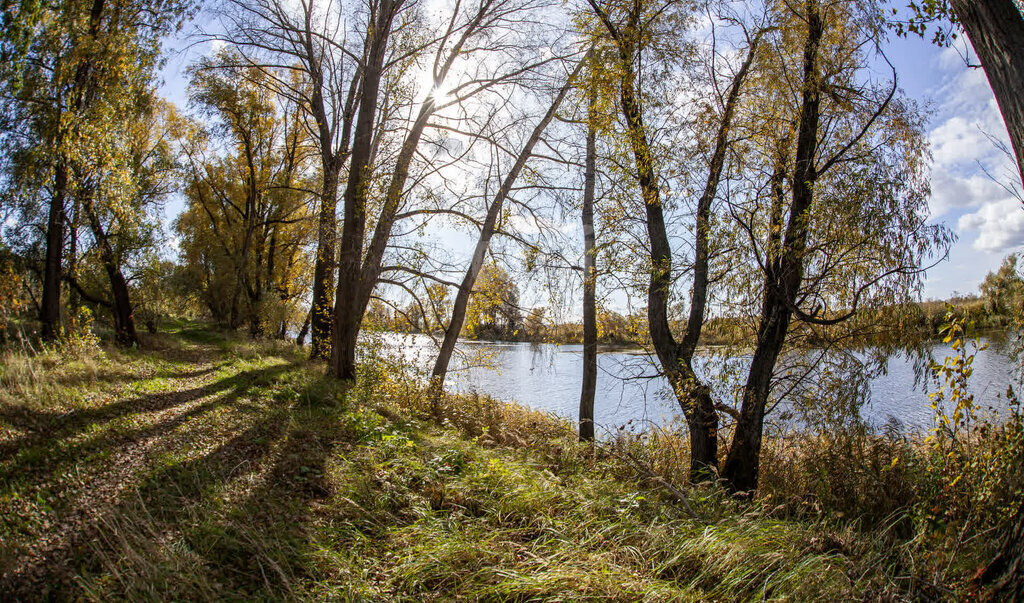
(208,467)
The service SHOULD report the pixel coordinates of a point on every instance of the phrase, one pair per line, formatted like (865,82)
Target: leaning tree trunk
(589,387)
(703,417)
(124,319)
(458,319)
(996,30)
(702,424)
(359,278)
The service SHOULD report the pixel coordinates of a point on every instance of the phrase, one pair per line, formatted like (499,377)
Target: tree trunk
(49,314)
(124,319)
(676,359)
(702,418)
(589,387)
(996,30)
(74,298)
(1006,571)
(742,465)
(301,339)
(781,285)
(323,271)
(256,330)
(451,334)
(346,322)
(331,161)
(703,425)
(360,277)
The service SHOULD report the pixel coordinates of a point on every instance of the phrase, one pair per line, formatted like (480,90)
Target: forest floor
(204,467)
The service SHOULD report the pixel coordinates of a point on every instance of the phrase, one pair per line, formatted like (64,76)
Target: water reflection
(631,393)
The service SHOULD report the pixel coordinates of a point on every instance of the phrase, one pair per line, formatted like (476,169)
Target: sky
(969,176)
(969,171)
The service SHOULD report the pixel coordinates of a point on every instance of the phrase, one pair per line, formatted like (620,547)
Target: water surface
(631,394)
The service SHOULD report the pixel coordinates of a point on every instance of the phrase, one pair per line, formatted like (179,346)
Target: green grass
(205,467)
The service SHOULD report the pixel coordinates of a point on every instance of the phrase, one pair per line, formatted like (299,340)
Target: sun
(440,93)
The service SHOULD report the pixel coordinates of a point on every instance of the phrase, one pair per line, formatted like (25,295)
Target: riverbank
(206,467)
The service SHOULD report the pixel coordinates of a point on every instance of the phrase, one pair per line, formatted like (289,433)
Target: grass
(206,467)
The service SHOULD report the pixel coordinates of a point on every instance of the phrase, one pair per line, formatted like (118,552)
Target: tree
(833,216)
(493,311)
(71,72)
(302,39)
(245,228)
(467,36)
(1003,289)
(588,388)
(462,312)
(123,217)
(996,30)
(629,26)
(838,222)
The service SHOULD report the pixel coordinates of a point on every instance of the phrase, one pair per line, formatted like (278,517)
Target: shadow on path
(47,426)
(116,461)
(271,472)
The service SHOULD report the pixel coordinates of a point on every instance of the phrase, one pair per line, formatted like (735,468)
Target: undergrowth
(206,467)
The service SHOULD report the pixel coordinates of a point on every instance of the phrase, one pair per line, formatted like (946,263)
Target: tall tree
(588,388)
(468,36)
(245,225)
(310,39)
(627,26)
(845,227)
(121,204)
(71,70)
(349,290)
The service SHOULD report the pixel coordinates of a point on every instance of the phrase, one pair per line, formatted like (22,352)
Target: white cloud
(950,58)
(964,146)
(950,191)
(999,224)
(960,140)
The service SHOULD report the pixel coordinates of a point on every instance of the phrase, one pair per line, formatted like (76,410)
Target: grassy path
(84,437)
(207,468)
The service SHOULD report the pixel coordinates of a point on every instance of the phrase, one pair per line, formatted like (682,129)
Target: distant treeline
(495,315)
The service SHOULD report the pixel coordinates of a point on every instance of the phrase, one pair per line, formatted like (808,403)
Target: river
(631,394)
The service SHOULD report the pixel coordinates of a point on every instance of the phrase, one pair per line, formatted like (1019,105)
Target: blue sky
(988,220)
(964,120)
